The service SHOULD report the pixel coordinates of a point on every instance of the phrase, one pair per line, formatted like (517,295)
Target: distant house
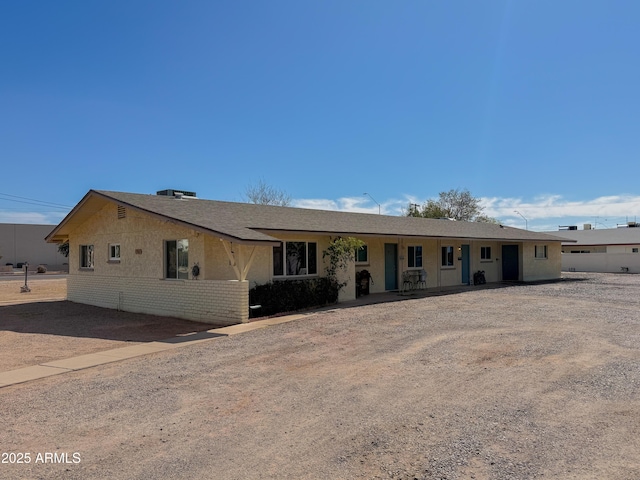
(24,243)
(612,250)
(137,252)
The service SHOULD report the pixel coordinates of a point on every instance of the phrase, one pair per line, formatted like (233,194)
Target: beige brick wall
(208,301)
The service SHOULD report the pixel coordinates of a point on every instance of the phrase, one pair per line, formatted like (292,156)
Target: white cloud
(555,206)
(31,217)
(544,212)
(352,204)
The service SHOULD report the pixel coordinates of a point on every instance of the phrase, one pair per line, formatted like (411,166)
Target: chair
(422,279)
(407,282)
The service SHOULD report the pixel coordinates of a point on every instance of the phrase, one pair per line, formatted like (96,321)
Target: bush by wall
(291,295)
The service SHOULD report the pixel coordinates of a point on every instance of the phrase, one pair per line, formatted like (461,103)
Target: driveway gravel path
(522,382)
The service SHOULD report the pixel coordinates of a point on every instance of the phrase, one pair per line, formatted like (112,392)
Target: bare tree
(264,194)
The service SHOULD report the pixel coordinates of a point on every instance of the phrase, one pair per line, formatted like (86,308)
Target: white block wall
(220,302)
(601,262)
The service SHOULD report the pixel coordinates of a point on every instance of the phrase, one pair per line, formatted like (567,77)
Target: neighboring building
(612,250)
(25,243)
(137,252)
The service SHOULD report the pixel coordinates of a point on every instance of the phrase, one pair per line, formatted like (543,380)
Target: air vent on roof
(175,193)
(567,227)
(122,212)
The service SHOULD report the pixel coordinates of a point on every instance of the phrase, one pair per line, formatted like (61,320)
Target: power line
(33,201)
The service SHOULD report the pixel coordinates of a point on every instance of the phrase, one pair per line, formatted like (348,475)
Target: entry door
(510,262)
(390,266)
(466,265)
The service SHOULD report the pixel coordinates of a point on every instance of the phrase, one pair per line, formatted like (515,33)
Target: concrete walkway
(81,362)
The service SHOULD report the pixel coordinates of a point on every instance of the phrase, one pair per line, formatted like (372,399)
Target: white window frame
(415,257)
(283,260)
(114,252)
(541,252)
(87,257)
(450,252)
(485,254)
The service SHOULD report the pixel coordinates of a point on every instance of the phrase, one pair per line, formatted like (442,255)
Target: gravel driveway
(523,382)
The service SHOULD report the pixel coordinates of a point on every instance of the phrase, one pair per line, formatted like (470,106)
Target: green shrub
(290,295)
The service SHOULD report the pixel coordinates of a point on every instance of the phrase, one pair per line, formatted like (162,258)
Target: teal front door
(390,266)
(466,265)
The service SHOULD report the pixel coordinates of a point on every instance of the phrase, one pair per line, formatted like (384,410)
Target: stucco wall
(534,269)
(136,283)
(601,262)
(141,238)
(207,301)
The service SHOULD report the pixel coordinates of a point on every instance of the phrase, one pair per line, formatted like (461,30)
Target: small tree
(263,194)
(341,252)
(63,249)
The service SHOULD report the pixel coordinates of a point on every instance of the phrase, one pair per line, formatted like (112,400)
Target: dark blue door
(466,265)
(390,266)
(510,262)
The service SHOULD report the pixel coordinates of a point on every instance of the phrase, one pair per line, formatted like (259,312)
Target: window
(414,254)
(485,253)
(362,255)
(634,250)
(447,256)
(541,251)
(114,252)
(86,256)
(295,258)
(176,258)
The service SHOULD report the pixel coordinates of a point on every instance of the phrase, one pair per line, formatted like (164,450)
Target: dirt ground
(522,382)
(40,326)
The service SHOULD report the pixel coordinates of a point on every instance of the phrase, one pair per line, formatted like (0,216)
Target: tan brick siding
(208,301)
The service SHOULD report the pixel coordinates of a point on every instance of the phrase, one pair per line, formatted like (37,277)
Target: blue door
(466,265)
(390,266)
(510,262)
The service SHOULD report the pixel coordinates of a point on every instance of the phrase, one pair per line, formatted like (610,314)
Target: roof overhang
(94,201)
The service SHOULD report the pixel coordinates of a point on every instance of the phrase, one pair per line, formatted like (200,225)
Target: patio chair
(407,282)
(422,279)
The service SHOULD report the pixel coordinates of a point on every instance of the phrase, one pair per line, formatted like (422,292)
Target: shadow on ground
(71,319)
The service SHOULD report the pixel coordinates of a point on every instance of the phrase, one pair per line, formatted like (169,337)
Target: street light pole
(374,201)
(526,224)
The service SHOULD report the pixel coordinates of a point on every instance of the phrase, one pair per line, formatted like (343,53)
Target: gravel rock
(521,382)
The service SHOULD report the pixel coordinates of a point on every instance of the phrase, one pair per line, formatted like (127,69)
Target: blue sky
(532,105)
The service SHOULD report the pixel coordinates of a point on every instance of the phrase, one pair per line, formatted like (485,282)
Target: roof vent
(567,227)
(586,226)
(176,193)
(632,224)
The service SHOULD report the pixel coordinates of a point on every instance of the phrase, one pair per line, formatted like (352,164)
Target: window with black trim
(485,253)
(176,259)
(295,259)
(541,251)
(362,254)
(414,256)
(86,256)
(447,256)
